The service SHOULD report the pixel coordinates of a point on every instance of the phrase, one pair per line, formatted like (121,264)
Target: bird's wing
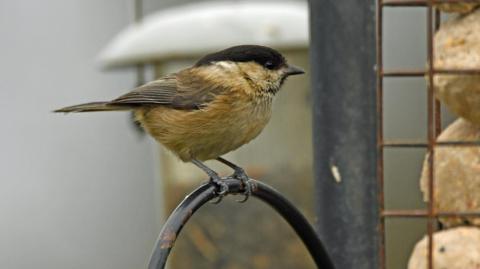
(158,92)
(179,91)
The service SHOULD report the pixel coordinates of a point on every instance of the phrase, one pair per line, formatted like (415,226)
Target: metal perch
(265,193)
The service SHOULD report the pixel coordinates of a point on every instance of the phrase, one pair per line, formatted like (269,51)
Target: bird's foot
(246,182)
(221,188)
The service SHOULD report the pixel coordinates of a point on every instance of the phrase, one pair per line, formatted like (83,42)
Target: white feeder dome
(196,29)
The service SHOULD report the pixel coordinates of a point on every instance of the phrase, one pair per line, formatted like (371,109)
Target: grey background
(76,191)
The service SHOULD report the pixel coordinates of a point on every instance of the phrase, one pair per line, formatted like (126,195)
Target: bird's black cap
(262,55)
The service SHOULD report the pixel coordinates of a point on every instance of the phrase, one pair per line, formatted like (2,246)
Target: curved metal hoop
(267,194)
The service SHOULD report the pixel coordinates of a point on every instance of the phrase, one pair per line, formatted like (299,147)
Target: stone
(457,46)
(457,7)
(457,248)
(457,174)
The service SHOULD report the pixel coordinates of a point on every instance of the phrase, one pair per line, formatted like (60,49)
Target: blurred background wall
(79,191)
(75,191)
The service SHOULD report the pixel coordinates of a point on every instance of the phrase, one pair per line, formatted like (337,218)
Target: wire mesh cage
(433,73)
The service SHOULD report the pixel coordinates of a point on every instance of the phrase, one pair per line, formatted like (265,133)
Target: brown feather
(235,116)
(202,112)
(92,107)
(184,90)
(158,92)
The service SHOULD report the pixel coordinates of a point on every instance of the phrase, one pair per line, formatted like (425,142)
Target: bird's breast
(224,125)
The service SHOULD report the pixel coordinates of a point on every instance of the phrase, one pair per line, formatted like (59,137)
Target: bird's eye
(268,64)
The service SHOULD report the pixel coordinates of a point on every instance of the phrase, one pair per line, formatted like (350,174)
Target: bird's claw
(247,184)
(248,191)
(221,189)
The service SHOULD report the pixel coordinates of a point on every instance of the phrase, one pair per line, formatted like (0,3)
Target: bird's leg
(239,174)
(214,178)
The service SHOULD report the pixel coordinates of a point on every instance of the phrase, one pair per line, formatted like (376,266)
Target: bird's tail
(92,107)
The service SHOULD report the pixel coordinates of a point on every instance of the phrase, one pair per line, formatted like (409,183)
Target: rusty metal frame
(263,192)
(433,122)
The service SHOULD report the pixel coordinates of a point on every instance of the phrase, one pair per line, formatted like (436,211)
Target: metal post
(138,17)
(342,57)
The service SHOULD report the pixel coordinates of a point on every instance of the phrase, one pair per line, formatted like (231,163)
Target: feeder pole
(342,55)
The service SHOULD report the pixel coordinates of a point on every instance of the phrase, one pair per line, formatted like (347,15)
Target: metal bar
(138,17)
(298,222)
(423,144)
(404,3)
(458,143)
(138,11)
(466,71)
(405,144)
(265,193)
(433,119)
(415,213)
(403,73)
(437,105)
(419,213)
(422,3)
(430,135)
(382,261)
(343,83)
(422,72)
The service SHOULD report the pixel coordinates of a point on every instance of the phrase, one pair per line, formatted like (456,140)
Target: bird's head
(264,68)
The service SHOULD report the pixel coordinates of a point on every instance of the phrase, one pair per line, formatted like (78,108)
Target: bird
(202,112)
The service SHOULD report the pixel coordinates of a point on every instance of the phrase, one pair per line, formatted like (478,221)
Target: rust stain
(187,216)
(168,239)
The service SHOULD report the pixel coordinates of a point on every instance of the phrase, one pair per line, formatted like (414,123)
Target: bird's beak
(293,70)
